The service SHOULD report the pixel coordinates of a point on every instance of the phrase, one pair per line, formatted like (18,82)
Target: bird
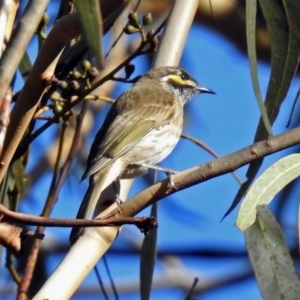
(140,130)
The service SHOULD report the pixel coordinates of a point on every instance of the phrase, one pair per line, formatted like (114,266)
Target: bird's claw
(171,183)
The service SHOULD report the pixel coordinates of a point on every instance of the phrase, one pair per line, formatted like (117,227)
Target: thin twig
(210,151)
(104,294)
(51,198)
(54,190)
(12,270)
(21,218)
(121,33)
(95,85)
(191,290)
(34,250)
(97,97)
(113,287)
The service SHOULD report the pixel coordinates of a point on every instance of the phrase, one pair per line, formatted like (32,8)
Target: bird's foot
(116,187)
(170,173)
(171,183)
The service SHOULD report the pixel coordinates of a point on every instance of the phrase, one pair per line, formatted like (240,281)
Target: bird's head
(178,81)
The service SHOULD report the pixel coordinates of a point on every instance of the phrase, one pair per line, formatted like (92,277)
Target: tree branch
(209,170)
(21,218)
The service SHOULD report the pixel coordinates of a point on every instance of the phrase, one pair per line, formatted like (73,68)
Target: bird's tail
(98,183)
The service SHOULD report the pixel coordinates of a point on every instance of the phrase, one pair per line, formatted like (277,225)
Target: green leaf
(292,9)
(91,21)
(283,24)
(270,258)
(269,183)
(251,10)
(25,65)
(277,25)
(20,176)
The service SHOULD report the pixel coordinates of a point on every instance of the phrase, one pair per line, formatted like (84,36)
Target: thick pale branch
(170,48)
(97,241)
(64,30)
(19,41)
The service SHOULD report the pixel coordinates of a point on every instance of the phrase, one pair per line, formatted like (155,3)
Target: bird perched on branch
(141,129)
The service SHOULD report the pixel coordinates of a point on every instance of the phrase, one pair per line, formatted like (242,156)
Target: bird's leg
(116,187)
(168,172)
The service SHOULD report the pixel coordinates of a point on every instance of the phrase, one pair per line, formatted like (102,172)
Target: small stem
(21,218)
(96,85)
(32,258)
(12,270)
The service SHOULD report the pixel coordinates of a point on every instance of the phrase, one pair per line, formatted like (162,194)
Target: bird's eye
(184,76)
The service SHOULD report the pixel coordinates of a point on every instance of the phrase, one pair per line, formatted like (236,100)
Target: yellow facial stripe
(176,79)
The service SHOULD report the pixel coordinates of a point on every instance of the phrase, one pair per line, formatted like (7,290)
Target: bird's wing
(127,123)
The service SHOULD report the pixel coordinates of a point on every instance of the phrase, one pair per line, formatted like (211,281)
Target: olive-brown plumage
(142,127)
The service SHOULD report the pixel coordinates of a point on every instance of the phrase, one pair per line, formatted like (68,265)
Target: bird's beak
(205,90)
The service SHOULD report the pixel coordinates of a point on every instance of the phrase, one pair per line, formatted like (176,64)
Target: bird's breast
(157,144)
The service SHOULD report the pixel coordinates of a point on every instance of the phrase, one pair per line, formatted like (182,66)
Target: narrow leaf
(277,26)
(292,9)
(251,10)
(282,19)
(270,258)
(268,184)
(25,65)
(91,22)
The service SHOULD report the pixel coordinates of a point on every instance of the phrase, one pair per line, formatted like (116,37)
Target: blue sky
(189,220)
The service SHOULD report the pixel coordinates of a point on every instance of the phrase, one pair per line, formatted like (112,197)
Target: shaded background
(192,240)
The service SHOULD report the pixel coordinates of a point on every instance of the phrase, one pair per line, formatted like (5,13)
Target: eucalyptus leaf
(270,258)
(277,25)
(292,10)
(91,22)
(268,184)
(283,25)
(251,11)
